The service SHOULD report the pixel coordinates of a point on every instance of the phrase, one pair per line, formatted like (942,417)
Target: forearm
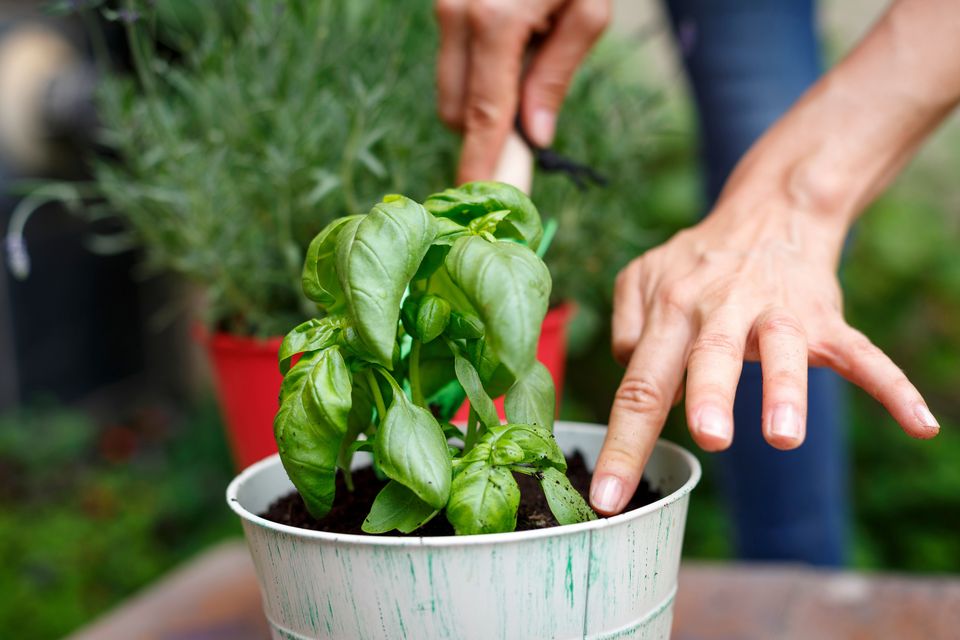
(842,143)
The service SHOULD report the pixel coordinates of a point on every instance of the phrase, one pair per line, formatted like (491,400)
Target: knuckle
(552,87)
(716,343)
(485,15)
(482,113)
(637,394)
(671,297)
(782,324)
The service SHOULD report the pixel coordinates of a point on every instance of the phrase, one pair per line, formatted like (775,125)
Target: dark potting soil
(351,507)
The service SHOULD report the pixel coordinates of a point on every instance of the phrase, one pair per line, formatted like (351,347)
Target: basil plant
(421,305)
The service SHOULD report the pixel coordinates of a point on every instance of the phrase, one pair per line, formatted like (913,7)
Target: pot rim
(463,541)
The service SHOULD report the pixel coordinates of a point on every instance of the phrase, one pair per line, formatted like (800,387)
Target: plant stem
(471,437)
(415,387)
(375,392)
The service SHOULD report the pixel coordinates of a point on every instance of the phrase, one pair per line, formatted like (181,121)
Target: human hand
(482,48)
(754,281)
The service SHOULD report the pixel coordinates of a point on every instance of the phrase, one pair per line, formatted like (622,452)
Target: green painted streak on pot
(403,628)
(329,620)
(568,580)
(433,599)
(656,552)
(547,583)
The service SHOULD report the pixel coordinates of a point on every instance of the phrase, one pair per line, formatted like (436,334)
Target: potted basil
(418,306)
(229,155)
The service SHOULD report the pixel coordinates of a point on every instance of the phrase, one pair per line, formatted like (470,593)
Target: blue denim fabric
(748,61)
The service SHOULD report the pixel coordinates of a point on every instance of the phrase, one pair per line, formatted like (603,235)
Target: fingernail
(542,127)
(925,417)
(605,494)
(711,421)
(785,422)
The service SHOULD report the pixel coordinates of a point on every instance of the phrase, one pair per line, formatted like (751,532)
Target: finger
(496,55)
(713,370)
(627,320)
(552,68)
(452,60)
(639,410)
(782,343)
(853,356)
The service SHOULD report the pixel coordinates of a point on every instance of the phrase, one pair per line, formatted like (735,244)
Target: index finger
(639,410)
(496,60)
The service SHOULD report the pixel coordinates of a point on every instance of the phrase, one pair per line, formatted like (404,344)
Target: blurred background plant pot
(551,351)
(613,577)
(247,381)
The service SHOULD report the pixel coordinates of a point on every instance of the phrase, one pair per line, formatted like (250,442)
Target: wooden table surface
(215,597)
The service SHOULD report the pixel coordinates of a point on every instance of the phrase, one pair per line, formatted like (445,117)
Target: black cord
(552,162)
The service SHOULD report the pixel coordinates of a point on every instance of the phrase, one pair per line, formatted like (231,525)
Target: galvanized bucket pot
(610,578)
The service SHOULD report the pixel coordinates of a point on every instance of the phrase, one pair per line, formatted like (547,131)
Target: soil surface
(351,507)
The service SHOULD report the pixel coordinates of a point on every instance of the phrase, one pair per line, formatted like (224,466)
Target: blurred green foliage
(90,513)
(902,287)
(274,118)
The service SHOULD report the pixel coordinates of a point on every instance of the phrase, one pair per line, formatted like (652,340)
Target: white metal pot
(610,578)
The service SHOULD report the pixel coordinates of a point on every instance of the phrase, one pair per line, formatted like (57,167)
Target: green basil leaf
(432,318)
(479,400)
(313,335)
(532,399)
(319,279)
(475,199)
(311,422)
(566,503)
(538,446)
(487,223)
(506,452)
(540,449)
(464,326)
(396,507)
(483,499)
(411,449)
(510,288)
(448,231)
(327,396)
(376,262)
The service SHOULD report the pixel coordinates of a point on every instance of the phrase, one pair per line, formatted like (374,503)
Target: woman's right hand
(483,44)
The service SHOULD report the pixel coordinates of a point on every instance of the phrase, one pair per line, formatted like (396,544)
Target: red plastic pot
(248,379)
